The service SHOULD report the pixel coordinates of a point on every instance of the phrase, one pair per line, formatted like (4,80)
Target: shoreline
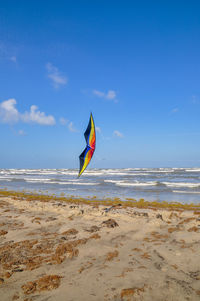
(128,202)
(69,250)
(151,184)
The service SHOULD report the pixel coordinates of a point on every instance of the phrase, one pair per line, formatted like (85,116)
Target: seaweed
(94,201)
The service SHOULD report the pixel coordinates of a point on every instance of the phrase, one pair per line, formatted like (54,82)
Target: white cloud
(71,127)
(69,124)
(98,129)
(57,78)
(118,134)
(8,111)
(63,121)
(175,110)
(110,95)
(6,52)
(9,114)
(195,99)
(35,116)
(21,133)
(98,93)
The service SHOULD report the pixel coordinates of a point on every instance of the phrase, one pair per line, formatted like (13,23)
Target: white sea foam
(113,181)
(161,171)
(182,184)
(37,179)
(188,192)
(5,179)
(75,183)
(193,170)
(49,181)
(137,184)
(41,182)
(93,173)
(70,173)
(109,181)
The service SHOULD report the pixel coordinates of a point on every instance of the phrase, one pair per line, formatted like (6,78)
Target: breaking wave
(149,183)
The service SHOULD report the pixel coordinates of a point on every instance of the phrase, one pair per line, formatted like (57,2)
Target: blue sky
(134,64)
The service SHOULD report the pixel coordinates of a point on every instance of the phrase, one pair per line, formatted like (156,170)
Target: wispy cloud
(57,78)
(7,52)
(98,129)
(72,128)
(21,133)
(118,134)
(10,114)
(195,99)
(99,93)
(110,95)
(13,59)
(101,135)
(69,124)
(63,121)
(175,110)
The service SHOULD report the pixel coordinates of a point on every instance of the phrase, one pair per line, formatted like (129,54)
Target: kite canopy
(90,137)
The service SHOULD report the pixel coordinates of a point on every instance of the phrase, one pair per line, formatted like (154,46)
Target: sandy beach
(69,252)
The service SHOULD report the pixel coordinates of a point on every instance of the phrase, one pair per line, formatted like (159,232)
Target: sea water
(160,184)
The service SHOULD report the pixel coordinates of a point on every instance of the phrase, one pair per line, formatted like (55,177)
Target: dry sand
(58,251)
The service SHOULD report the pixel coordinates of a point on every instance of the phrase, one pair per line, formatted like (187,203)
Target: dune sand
(69,252)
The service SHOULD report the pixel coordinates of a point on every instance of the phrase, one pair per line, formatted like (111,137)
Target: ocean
(160,184)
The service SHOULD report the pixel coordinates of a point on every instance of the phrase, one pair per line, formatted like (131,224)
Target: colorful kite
(88,152)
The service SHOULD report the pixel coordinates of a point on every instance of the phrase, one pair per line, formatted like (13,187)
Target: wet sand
(69,252)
